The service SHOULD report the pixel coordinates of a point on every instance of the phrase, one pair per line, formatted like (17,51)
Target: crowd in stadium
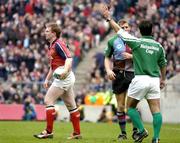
(23,48)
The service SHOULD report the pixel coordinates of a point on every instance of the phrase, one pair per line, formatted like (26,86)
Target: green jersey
(148,55)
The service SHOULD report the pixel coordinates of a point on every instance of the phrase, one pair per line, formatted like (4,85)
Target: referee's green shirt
(148,55)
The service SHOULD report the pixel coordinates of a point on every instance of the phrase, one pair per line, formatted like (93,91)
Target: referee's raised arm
(103,8)
(130,40)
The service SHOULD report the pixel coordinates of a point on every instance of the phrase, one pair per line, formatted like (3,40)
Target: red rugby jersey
(58,52)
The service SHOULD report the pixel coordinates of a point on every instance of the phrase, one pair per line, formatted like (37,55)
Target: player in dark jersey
(121,74)
(62,86)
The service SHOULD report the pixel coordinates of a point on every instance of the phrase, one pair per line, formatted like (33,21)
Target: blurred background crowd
(23,49)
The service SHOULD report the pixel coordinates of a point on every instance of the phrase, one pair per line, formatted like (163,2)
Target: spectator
(21,25)
(29,110)
(103,116)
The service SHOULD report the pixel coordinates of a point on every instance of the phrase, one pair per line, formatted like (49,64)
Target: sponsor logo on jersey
(149,49)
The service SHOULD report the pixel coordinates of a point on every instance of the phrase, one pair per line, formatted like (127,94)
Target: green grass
(22,132)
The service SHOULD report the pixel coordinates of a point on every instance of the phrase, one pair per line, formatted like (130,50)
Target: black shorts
(122,81)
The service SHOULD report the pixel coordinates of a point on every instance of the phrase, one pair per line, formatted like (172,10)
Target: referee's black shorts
(122,81)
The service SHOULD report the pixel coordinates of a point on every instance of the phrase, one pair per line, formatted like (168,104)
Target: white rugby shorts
(143,86)
(66,83)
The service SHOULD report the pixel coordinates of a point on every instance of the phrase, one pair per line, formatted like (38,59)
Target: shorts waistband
(119,64)
(122,70)
(145,76)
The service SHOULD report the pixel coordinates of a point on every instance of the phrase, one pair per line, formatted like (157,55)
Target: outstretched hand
(104,10)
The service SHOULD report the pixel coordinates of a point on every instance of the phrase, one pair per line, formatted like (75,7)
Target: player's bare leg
(121,99)
(69,101)
(121,115)
(51,96)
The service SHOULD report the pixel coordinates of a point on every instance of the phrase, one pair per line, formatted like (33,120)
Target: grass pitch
(22,132)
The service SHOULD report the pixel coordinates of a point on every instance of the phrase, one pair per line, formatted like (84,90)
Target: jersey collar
(148,37)
(54,41)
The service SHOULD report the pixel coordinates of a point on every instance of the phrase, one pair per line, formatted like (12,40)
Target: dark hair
(145,27)
(54,28)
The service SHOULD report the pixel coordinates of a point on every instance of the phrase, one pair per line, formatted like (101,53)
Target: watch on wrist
(108,19)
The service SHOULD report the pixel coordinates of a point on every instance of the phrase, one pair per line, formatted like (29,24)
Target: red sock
(50,115)
(75,119)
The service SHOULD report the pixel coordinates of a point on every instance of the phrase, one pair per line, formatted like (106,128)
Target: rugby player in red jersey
(62,85)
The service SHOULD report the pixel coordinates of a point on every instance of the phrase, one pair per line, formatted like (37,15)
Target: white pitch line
(167,128)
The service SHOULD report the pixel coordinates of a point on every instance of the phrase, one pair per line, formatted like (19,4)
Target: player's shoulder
(113,38)
(158,44)
(61,43)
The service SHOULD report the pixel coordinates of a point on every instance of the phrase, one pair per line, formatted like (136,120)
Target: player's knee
(154,106)
(121,108)
(70,106)
(155,109)
(47,102)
